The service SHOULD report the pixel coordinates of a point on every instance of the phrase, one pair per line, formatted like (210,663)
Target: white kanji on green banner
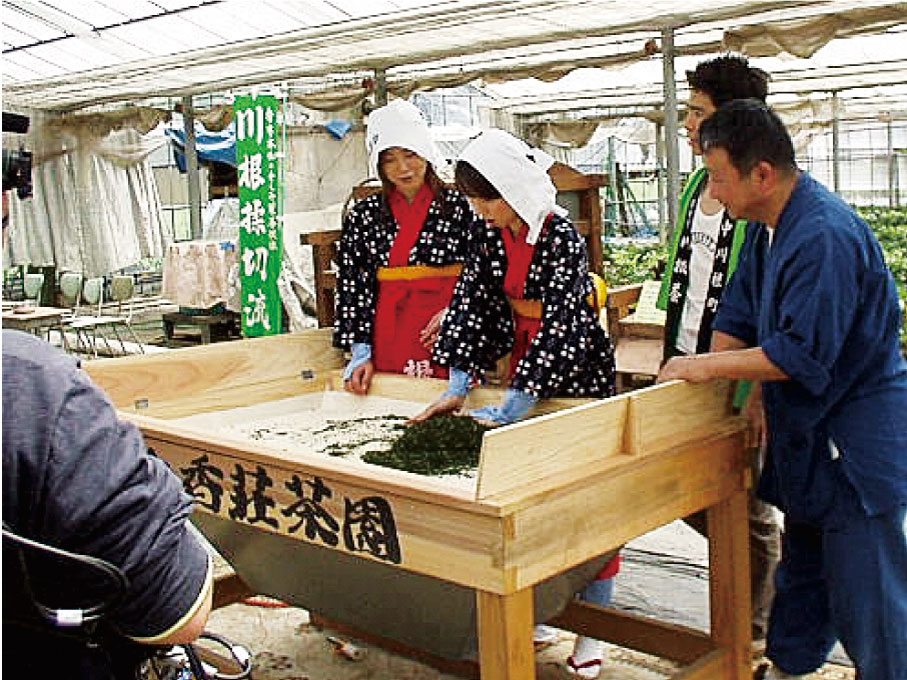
(260,227)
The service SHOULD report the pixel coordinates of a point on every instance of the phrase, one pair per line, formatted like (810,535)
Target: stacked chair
(88,320)
(32,286)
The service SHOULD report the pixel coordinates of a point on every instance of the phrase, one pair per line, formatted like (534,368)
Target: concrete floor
(286,646)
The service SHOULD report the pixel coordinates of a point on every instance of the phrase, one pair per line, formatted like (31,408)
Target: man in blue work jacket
(813,314)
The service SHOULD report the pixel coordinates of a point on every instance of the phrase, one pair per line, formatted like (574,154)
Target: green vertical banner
(260,212)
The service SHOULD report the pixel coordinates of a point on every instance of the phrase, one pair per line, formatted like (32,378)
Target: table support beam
(729,574)
(505,635)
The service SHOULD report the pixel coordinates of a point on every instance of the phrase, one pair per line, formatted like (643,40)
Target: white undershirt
(704,234)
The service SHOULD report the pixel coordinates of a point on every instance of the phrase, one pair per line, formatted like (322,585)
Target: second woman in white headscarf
(558,347)
(548,319)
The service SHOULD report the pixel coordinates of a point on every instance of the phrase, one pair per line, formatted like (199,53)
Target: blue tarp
(212,147)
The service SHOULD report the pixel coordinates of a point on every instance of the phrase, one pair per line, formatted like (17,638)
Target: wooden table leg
(168,332)
(729,591)
(505,635)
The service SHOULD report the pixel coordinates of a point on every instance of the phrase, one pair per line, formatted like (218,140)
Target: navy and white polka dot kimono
(570,356)
(368,234)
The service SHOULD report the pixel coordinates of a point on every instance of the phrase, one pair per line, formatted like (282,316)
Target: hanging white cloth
(88,213)
(519,173)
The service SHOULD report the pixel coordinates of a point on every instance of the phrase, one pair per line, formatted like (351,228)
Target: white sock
(543,634)
(586,648)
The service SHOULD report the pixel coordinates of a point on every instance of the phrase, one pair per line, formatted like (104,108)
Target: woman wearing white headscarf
(400,253)
(558,347)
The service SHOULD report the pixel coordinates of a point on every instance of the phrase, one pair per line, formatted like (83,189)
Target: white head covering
(519,173)
(399,123)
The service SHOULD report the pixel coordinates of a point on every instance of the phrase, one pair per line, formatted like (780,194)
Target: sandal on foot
(588,669)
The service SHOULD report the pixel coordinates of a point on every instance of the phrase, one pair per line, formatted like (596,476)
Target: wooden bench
(324,253)
(637,344)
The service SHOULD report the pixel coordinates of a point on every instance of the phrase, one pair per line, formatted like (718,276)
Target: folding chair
(87,324)
(33,564)
(71,296)
(122,290)
(32,285)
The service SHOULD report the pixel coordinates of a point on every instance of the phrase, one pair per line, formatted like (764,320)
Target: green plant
(890,227)
(632,262)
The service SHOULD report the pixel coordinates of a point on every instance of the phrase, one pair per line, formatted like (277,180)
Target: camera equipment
(17,163)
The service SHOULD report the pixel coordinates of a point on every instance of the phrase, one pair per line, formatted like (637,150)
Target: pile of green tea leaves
(445,445)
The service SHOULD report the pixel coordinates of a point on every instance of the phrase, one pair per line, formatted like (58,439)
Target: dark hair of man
(729,77)
(750,133)
(473,184)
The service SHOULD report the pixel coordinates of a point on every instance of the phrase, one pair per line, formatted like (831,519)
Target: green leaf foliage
(632,262)
(890,227)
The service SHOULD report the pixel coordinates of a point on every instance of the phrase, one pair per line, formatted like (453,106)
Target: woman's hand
(428,336)
(446,404)
(360,379)
(357,376)
(516,405)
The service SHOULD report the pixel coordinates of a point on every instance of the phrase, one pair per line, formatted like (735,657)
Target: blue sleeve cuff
(459,383)
(362,352)
(516,405)
(796,363)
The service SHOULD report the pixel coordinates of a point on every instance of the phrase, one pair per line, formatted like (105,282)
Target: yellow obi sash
(532,309)
(599,293)
(418,271)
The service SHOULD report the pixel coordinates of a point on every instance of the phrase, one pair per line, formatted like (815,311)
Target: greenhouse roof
(884,81)
(56,58)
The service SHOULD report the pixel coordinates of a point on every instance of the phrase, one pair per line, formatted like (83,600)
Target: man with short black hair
(813,314)
(701,260)
(707,241)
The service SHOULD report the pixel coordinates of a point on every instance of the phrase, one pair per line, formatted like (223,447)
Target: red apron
(527,319)
(409,296)
(527,314)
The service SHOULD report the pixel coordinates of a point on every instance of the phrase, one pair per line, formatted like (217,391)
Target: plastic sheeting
(321,169)
(201,274)
(216,147)
(95,209)
(581,96)
(443,44)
